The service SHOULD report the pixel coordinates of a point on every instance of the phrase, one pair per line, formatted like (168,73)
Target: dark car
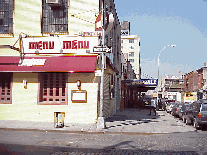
(163,104)
(197,114)
(176,109)
(183,110)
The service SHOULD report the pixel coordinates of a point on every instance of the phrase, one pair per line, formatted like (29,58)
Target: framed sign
(79,96)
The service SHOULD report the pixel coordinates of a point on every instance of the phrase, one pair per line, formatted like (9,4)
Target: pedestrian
(153,107)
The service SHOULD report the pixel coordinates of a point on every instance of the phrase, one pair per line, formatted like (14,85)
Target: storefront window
(53,88)
(5,88)
(55,17)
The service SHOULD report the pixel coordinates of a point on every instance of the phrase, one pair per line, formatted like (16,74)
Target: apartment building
(130,46)
(48,61)
(196,81)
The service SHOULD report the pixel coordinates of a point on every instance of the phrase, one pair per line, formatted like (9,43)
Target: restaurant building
(50,60)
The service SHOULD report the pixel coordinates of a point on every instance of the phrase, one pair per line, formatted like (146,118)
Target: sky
(167,22)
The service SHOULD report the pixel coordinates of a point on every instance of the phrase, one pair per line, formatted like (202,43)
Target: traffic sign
(100,49)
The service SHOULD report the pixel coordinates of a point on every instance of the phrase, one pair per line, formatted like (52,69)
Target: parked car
(197,114)
(176,108)
(183,110)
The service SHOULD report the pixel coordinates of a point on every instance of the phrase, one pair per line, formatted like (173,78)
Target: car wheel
(196,125)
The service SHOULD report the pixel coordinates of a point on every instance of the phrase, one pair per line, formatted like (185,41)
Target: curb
(91,132)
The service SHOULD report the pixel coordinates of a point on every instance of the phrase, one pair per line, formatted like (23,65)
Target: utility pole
(101,119)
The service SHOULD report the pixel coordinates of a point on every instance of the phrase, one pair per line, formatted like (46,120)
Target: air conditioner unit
(53,2)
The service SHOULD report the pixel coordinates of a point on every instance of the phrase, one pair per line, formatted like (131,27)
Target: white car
(169,107)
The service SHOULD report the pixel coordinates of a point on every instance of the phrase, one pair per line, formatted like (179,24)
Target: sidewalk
(129,121)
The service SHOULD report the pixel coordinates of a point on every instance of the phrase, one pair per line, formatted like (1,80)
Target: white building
(130,46)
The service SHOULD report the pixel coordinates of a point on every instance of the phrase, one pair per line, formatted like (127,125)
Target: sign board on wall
(58,45)
(79,96)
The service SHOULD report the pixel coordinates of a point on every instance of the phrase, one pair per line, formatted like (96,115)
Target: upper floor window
(131,54)
(54,17)
(131,47)
(6,16)
(131,60)
(131,40)
(5,88)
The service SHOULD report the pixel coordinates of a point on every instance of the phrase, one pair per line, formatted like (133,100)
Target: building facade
(130,46)
(171,87)
(196,81)
(48,61)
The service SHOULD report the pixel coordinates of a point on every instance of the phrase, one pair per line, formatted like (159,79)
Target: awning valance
(48,64)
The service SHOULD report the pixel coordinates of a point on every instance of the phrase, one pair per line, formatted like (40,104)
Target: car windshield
(204,107)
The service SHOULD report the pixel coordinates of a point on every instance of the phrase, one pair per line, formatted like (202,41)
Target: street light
(159,58)
(159,66)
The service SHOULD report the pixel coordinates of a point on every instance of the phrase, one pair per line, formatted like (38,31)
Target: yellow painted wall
(82,16)
(24,101)
(27,20)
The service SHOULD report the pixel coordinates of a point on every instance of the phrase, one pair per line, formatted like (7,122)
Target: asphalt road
(57,143)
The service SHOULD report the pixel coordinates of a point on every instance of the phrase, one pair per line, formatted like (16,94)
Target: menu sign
(58,45)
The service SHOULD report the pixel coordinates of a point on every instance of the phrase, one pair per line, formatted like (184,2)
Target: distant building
(196,81)
(130,46)
(170,87)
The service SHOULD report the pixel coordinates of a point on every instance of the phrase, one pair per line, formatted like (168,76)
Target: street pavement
(128,121)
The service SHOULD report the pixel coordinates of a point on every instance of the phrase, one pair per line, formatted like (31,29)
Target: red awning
(48,64)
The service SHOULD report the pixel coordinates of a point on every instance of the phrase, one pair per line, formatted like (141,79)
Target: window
(6,16)
(53,88)
(131,47)
(55,17)
(5,88)
(131,54)
(131,40)
(131,60)
(121,41)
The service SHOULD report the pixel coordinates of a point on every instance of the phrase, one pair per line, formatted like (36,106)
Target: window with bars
(6,16)
(55,17)
(6,88)
(53,88)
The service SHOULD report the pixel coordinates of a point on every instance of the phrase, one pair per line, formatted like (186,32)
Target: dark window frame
(131,60)
(6,87)
(131,40)
(131,54)
(54,18)
(51,90)
(6,17)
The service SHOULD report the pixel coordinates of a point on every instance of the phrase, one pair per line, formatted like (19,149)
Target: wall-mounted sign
(79,96)
(97,72)
(145,82)
(152,82)
(58,45)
